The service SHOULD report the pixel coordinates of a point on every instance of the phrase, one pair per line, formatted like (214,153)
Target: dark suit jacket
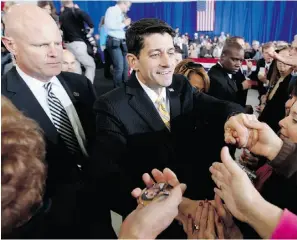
(254,75)
(221,85)
(132,138)
(241,93)
(274,110)
(66,185)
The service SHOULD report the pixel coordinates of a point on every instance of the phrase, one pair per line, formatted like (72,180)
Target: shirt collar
(229,74)
(151,93)
(34,83)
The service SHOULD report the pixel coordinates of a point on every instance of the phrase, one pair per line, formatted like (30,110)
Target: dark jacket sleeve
(86,18)
(110,146)
(213,110)
(285,162)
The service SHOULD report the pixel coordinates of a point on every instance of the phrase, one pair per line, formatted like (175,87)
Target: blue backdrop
(263,21)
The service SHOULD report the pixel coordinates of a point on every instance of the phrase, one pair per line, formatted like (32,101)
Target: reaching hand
(202,225)
(236,132)
(149,221)
(234,186)
(265,143)
(230,229)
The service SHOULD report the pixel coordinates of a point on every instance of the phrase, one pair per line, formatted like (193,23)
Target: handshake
(162,201)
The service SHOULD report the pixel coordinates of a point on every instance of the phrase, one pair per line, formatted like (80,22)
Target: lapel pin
(171,89)
(75,94)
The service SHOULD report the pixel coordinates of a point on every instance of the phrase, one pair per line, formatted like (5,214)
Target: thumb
(176,195)
(229,163)
(253,124)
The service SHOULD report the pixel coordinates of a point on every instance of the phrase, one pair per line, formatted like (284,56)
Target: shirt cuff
(287,226)
(287,148)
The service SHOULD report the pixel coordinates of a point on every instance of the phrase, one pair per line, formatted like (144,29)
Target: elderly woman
(196,74)
(23,172)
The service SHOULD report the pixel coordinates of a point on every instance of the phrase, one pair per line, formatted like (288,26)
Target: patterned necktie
(61,120)
(164,114)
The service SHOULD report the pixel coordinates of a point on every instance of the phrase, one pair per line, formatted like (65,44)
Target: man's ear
(132,61)
(9,44)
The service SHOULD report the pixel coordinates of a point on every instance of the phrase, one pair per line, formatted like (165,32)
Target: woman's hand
(265,143)
(234,187)
(230,229)
(202,225)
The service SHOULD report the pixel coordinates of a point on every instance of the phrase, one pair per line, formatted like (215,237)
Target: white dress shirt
(113,22)
(154,96)
(40,93)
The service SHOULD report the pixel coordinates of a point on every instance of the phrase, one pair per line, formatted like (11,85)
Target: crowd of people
(69,157)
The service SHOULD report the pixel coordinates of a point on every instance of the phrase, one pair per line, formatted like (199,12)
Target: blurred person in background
(75,36)
(49,7)
(69,62)
(115,22)
(195,73)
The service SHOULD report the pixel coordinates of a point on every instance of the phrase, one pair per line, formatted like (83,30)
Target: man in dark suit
(223,84)
(264,69)
(62,105)
(242,83)
(154,120)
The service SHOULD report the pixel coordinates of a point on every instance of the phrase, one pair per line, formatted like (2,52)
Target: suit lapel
(175,107)
(70,93)
(143,105)
(25,101)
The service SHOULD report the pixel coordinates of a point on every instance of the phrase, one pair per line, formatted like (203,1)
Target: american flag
(205,15)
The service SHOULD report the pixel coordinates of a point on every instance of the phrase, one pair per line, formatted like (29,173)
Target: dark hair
(275,73)
(188,66)
(178,49)
(267,45)
(293,87)
(231,45)
(142,28)
(234,39)
(42,4)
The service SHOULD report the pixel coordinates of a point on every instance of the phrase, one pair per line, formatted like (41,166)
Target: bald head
(33,37)
(22,18)
(68,61)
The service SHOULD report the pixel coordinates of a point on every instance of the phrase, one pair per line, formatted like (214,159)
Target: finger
(148,181)
(219,192)
(198,213)
(219,227)
(222,211)
(136,192)
(236,125)
(220,168)
(204,215)
(170,177)
(158,176)
(219,184)
(175,197)
(210,219)
(190,227)
(229,163)
(253,123)
(229,139)
(218,177)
